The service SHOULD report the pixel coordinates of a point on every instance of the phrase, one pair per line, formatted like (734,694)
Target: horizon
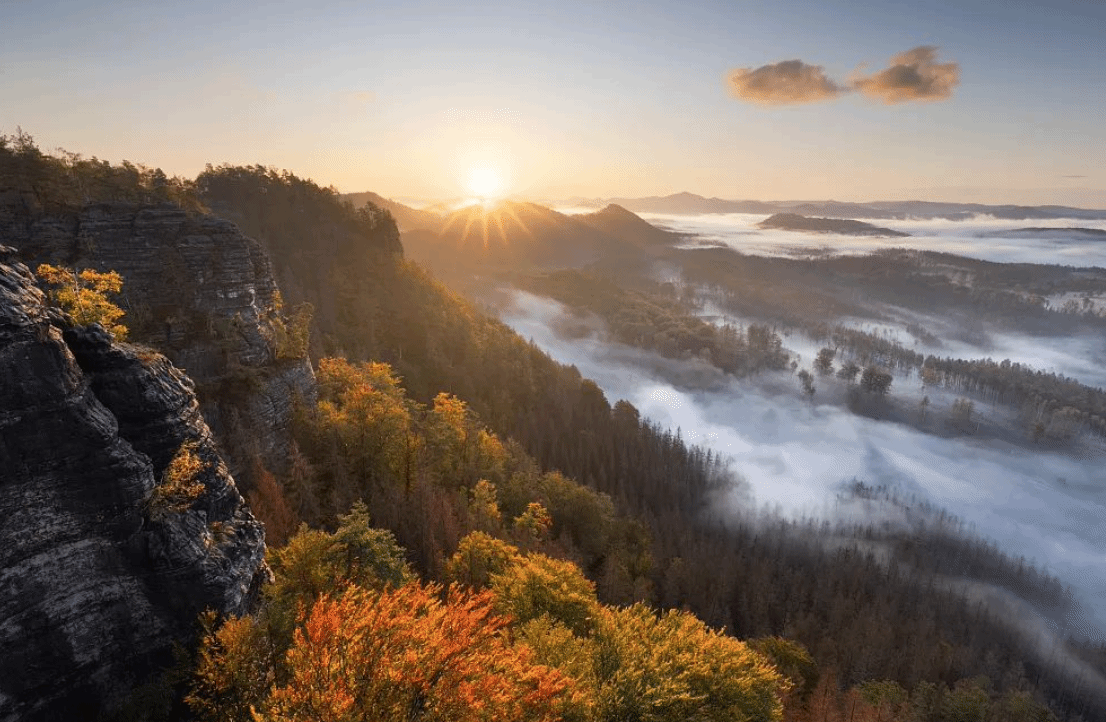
(942,101)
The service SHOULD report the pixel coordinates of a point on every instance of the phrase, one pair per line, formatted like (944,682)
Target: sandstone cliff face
(196,289)
(98,575)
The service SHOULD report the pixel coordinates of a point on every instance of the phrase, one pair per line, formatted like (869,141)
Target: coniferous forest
(459,527)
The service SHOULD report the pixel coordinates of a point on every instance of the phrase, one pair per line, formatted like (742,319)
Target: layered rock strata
(199,291)
(102,567)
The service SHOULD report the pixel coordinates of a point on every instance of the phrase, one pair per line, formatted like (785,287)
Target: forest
(470,530)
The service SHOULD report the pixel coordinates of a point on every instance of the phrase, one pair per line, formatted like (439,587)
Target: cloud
(1073,176)
(912,76)
(788,82)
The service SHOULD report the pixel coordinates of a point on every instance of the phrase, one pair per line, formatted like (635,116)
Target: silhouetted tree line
(65,180)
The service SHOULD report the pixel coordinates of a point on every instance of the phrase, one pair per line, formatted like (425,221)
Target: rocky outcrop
(199,291)
(102,570)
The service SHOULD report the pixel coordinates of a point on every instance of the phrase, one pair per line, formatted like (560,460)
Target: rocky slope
(100,572)
(199,291)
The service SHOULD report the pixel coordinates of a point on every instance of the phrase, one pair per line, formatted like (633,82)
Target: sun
(485,182)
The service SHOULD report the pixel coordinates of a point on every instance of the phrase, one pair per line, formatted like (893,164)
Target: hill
(616,221)
(793,222)
(513,236)
(690,203)
(406,217)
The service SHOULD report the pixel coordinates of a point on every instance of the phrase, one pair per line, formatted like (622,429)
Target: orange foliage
(268,504)
(406,654)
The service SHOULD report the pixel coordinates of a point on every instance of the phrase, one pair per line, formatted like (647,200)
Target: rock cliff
(100,572)
(199,291)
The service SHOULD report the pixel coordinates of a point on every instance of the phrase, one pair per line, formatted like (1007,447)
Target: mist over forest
(800,459)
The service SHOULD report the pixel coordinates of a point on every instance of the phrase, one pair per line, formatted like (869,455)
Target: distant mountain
(838,209)
(793,222)
(1095,234)
(689,203)
(407,218)
(962,211)
(620,223)
(511,233)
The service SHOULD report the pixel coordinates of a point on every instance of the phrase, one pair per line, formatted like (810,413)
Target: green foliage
(535,522)
(291,334)
(67,179)
(314,563)
(84,296)
(791,659)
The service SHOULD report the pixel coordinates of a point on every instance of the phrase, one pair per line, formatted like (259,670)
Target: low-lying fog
(1076,357)
(981,238)
(797,457)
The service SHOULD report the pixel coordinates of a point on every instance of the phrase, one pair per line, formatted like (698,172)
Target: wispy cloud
(912,76)
(789,82)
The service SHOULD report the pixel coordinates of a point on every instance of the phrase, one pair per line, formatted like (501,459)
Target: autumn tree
(269,505)
(406,654)
(363,411)
(673,667)
(84,296)
(478,557)
(537,585)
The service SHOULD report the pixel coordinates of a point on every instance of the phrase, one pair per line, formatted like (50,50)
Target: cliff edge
(104,561)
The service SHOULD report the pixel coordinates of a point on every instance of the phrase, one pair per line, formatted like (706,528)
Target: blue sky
(572,98)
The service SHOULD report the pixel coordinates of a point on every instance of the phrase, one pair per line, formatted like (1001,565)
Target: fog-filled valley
(932,453)
(1066,241)
(801,459)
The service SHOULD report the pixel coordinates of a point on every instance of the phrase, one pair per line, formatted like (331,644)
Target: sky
(959,100)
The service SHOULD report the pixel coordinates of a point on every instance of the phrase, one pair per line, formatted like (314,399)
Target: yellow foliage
(535,521)
(234,669)
(673,667)
(180,483)
(485,505)
(84,296)
(363,408)
(538,585)
(478,557)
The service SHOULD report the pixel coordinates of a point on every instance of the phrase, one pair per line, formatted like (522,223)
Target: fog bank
(798,457)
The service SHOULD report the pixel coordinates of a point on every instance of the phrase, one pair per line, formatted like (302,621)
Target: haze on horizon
(852,100)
